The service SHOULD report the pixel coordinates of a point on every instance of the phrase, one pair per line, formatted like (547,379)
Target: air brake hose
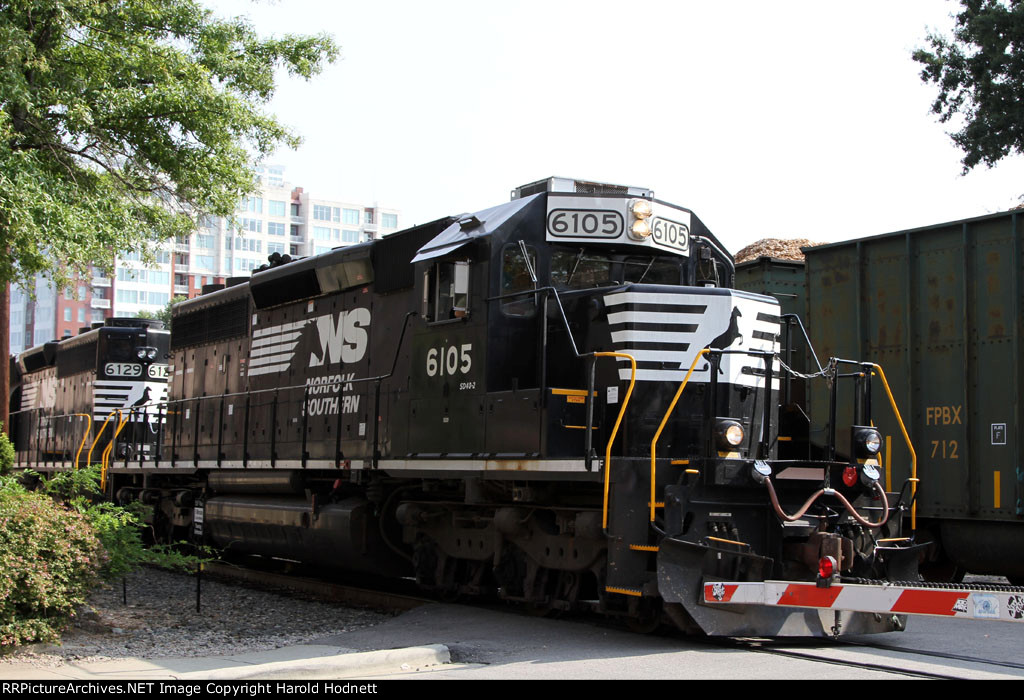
(831,492)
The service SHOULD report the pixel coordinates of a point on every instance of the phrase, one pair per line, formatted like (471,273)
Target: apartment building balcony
(100,303)
(101,281)
(181,289)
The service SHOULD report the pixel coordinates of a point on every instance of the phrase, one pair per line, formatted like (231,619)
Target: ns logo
(341,341)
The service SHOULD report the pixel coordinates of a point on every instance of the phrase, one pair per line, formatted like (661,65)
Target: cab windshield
(583,268)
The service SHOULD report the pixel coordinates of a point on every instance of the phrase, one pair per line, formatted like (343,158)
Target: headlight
(641,208)
(151,353)
(729,433)
(867,441)
(640,229)
(141,353)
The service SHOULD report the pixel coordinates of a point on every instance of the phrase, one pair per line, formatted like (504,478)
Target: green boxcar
(939,308)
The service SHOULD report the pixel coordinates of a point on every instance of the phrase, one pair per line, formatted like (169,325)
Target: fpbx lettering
(344,341)
(942,415)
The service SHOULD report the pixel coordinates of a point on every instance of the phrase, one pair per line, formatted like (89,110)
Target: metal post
(144,433)
(273,430)
(195,435)
(245,437)
(711,402)
(174,435)
(833,390)
(338,455)
(588,447)
(220,433)
(376,423)
(159,435)
(867,394)
(64,441)
(132,428)
(304,455)
(766,419)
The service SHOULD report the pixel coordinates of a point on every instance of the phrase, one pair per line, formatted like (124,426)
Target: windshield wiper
(646,270)
(576,264)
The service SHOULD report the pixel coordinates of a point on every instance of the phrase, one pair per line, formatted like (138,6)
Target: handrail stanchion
(88,457)
(615,430)
(85,436)
(664,420)
(105,460)
(913,454)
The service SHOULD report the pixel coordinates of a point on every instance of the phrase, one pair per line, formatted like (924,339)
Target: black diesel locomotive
(71,398)
(560,401)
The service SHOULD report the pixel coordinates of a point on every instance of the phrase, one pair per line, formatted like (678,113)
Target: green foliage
(119,529)
(165,313)
(980,75)
(121,122)
(7,455)
(57,543)
(49,557)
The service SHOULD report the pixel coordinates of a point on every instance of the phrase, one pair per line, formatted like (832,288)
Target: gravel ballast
(160,621)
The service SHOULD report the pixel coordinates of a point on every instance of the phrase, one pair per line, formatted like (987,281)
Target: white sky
(788,119)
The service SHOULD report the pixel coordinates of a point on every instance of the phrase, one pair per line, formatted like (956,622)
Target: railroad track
(392,598)
(915,663)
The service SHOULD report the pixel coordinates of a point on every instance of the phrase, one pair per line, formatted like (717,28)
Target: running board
(966,602)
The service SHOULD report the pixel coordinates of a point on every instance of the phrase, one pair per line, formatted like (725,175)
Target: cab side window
(446,291)
(515,277)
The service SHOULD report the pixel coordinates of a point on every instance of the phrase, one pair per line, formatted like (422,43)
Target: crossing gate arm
(882,598)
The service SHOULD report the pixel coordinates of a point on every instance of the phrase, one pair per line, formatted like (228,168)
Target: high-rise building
(277,218)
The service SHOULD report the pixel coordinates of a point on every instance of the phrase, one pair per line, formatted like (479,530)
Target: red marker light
(850,476)
(826,567)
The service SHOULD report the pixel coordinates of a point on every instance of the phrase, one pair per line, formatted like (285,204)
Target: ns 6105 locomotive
(560,401)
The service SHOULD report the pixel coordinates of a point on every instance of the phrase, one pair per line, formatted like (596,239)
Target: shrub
(49,558)
(57,543)
(118,528)
(7,455)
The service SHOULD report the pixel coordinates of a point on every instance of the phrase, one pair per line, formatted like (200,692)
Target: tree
(121,122)
(163,315)
(980,75)
(124,120)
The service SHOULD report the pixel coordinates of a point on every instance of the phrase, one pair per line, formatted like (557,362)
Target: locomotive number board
(123,369)
(573,219)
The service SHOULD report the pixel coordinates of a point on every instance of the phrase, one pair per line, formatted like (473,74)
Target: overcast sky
(788,119)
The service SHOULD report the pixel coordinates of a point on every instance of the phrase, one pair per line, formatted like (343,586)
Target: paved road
(494,644)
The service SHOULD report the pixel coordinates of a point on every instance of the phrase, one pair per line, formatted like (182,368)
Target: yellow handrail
(88,457)
(104,461)
(615,430)
(85,436)
(913,455)
(671,407)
